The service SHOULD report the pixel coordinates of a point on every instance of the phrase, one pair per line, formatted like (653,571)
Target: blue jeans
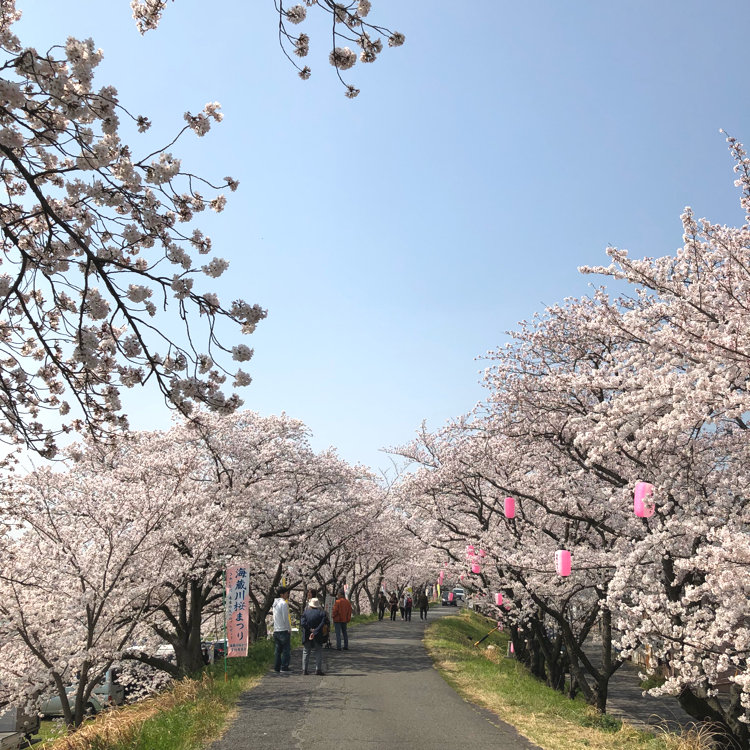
(282,640)
(341,630)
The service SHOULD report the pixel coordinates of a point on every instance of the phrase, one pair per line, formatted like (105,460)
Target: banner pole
(226,643)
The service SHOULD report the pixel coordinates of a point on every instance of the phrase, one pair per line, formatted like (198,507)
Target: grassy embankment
(484,676)
(194,712)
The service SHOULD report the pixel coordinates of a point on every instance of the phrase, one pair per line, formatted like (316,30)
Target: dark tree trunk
(706,708)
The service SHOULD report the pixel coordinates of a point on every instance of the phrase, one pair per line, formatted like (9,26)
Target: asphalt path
(381,693)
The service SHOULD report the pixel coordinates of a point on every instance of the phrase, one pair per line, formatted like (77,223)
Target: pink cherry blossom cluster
(348,24)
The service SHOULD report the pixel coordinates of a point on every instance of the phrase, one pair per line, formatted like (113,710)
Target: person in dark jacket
(382,602)
(424,605)
(393,602)
(408,604)
(314,622)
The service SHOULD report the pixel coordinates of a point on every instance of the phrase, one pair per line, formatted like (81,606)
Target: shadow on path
(625,699)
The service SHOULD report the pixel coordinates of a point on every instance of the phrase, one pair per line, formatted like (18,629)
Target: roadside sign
(237,611)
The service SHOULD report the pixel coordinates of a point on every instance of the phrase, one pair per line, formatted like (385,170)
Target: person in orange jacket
(342,613)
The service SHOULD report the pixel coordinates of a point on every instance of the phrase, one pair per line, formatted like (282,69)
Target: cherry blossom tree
(101,250)
(72,588)
(588,399)
(97,236)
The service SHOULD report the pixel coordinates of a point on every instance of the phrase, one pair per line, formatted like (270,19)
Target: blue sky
(396,237)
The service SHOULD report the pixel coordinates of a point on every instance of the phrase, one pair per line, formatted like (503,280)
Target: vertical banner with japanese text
(237,611)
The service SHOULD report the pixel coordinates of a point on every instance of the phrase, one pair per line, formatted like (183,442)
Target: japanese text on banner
(237,611)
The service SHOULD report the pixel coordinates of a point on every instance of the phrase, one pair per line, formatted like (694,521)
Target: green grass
(652,681)
(485,676)
(361,620)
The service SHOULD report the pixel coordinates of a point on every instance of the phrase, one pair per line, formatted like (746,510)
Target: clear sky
(396,237)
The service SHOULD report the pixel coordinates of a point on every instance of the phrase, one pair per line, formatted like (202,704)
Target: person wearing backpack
(408,604)
(315,625)
(342,613)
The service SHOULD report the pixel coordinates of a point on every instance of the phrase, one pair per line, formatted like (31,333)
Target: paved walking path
(625,699)
(382,693)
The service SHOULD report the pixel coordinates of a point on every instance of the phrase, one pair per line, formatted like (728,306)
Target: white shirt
(280,614)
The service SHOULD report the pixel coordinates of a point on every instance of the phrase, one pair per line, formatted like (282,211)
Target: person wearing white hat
(315,627)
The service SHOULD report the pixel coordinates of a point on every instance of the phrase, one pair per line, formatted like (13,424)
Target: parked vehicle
(458,593)
(53,705)
(109,691)
(16,727)
(446,600)
(166,651)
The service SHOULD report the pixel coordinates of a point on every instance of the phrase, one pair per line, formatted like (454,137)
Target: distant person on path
(424,605)
(315,624)
(393,601)
(382,602)
(408,604)
(282,635)
(342,613)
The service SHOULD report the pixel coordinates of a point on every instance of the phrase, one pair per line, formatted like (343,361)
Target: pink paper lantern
(475,568)
(461,577)
(512,650)
(450,596)
(510,507)
(498,599)
(562,562)
(470,550)
(482,553)
(643,505)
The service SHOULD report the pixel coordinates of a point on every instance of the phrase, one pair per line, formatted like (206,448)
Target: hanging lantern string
(519,568)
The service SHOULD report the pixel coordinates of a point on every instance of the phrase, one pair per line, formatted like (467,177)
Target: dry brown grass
(111,727)
(120,726)
(702,736)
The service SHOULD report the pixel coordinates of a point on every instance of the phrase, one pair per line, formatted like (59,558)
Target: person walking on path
(424,605)
(393,601)
(342,613)
(408,604)
(282,633)
(382,602)
(315,625)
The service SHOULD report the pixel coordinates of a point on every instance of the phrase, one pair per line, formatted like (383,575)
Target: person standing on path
(424,605)
(393,602)
(282,634)
(382,602)
(342,613)
(315,624)
(408,604)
